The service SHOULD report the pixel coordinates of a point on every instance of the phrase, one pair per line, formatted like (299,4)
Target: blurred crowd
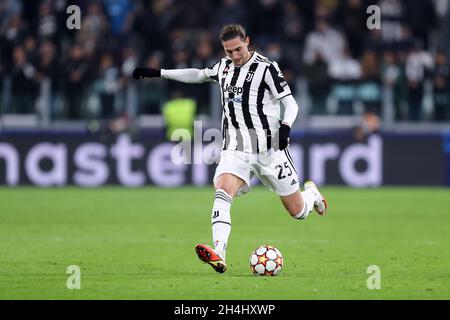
(346,67)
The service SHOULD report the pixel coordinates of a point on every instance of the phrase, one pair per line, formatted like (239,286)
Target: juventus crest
(249,76)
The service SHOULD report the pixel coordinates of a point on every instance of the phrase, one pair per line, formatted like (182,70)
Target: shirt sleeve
(290,109)
(185,75)
(276,82)
(212,72)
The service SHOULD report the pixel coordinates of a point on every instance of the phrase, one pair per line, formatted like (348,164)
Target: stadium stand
(337,67)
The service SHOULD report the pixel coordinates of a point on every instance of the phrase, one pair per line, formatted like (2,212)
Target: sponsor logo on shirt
(234,89)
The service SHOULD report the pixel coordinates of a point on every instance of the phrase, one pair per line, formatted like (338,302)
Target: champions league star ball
(266,261)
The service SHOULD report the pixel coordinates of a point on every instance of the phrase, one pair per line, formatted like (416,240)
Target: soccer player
(255,137)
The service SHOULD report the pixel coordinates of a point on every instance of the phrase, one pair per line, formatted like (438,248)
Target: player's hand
(283,136)
(146,73)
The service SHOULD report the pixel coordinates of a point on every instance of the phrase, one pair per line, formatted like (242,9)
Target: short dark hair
(232,31)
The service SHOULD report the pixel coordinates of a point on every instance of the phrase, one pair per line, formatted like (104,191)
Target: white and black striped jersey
(250,98)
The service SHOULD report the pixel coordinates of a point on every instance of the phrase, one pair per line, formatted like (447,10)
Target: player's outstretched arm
(139,73)
(189,75)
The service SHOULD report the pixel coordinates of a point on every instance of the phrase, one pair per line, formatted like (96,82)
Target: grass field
(139,244)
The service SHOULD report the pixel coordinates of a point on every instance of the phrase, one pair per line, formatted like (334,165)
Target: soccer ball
(266,261)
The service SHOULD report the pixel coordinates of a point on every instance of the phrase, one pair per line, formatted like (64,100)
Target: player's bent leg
(295,205)
(300,203)
(320,203)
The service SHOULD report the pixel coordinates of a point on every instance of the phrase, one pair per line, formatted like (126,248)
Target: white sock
(308,200)
(221,221)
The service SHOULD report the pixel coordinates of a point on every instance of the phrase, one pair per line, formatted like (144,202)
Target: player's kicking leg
(320,203)
(276,170)
(301,203)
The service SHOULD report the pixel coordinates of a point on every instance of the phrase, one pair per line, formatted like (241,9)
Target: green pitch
(139,244)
